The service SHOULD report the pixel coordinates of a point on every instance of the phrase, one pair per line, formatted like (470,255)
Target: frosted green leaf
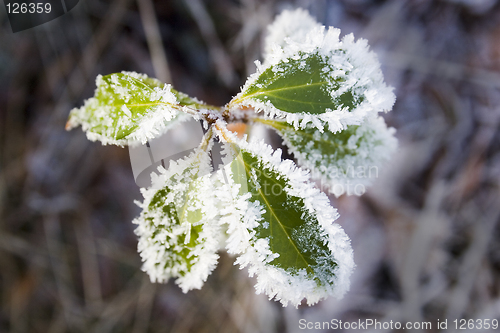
(313,77)
(300,85)
(289,25)
(344,162)
(178,229)
(129,108)
(282,227)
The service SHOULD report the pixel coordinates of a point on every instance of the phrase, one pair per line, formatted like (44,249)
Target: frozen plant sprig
(322,95)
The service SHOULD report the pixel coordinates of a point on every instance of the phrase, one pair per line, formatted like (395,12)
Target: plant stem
(222,129)
(206,139)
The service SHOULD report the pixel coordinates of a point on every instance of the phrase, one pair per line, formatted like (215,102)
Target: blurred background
(425,235)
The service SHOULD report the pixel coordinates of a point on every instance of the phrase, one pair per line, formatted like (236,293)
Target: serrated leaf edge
(167,112)
(210,236)
(242,216)
(368,157)
(289,24)
(378,97)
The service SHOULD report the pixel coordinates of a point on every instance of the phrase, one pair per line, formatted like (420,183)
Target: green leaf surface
(290,241)
(130,107)
(344,162)
(288,222)
(178,234)
(301,85)
(292,229)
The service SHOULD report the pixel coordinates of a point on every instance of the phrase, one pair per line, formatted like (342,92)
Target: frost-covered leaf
(282,227)
(178,229)
(317,79)
(346,161)
(129,108)
(289,25)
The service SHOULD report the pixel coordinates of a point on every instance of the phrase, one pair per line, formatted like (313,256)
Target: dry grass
(426,235)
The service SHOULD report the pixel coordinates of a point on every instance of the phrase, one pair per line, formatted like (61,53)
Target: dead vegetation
(426,235)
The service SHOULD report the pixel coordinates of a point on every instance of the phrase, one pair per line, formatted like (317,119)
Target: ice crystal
(128,108)
(289,25)
(342,77)
(344,162)
(178,228)
(288,239)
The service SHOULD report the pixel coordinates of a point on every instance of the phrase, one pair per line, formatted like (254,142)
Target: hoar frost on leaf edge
(153,253)
(241,215)
(289,25)
(350,171)
(364,77)
(153,124)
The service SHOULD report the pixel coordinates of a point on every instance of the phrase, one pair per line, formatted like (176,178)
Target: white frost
(351,67)
(243,215)
(289,25)
(369,147)
(102,121)
(187,189)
